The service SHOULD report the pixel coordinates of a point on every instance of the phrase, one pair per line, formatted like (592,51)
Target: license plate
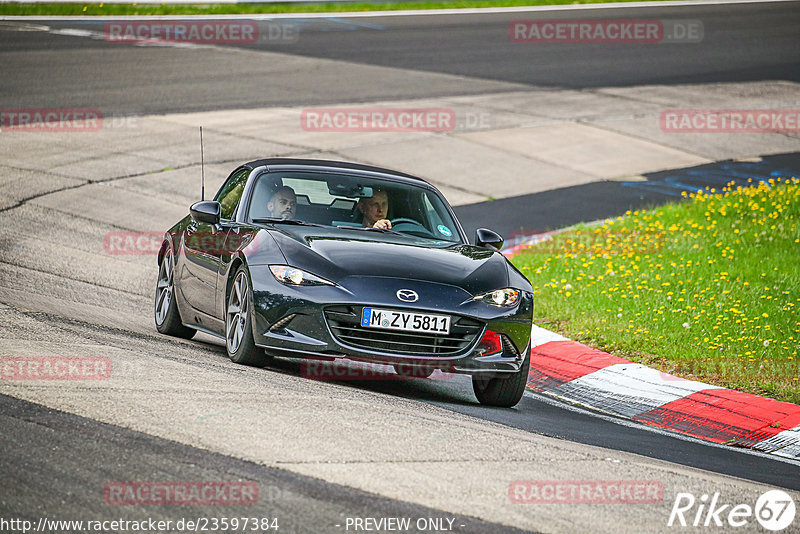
(407,321)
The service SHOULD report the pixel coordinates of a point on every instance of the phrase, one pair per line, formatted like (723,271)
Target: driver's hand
(384,224)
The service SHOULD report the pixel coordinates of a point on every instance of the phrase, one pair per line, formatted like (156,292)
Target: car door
(204,246)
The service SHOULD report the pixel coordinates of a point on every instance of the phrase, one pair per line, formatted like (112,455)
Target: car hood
(336,254)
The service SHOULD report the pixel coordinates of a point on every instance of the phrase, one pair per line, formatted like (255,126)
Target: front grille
(345,324)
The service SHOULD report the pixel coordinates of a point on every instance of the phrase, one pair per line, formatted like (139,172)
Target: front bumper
(302,322)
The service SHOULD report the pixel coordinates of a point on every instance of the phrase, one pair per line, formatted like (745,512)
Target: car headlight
(293,276)
(500,297)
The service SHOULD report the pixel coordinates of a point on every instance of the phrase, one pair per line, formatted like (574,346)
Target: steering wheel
(404,220)
(416,227)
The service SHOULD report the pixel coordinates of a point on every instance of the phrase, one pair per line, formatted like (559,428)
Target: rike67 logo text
(774,510)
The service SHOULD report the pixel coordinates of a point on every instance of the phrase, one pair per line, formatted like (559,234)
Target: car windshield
(351,202)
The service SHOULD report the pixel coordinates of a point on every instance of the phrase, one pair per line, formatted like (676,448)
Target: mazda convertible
(328,260)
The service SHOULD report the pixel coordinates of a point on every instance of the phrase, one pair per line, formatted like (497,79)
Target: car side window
(231,193)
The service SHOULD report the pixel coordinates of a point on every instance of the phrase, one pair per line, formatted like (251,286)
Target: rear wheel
(167,316)
(239,324)
(504,391)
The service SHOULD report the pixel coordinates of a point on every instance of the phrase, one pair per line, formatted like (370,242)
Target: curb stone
(571,371)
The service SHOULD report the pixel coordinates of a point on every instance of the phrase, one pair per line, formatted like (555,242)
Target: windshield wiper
(271,220)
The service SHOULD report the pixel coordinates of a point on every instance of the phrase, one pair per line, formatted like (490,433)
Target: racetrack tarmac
(396,57)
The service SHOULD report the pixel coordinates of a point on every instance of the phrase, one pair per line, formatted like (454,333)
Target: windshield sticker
(444,230)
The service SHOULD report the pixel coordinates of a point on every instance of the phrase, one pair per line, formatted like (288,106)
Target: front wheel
(167,316)
(505,391)
(239,324)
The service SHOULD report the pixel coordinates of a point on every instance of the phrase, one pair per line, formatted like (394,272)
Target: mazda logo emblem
(407,295)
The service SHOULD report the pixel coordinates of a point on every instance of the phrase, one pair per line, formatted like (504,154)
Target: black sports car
(296,258)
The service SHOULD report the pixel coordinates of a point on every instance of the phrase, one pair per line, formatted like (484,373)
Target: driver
(283,203)
(373,210)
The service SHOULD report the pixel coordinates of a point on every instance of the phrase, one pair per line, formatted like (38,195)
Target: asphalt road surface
(421,56)
(293,502)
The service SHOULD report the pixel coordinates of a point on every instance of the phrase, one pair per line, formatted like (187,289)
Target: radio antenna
(202,169)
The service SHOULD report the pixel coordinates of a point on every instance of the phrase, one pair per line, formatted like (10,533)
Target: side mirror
(489,239)
(207,211)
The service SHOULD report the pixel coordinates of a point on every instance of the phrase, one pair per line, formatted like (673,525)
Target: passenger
(283,203)
(374,209)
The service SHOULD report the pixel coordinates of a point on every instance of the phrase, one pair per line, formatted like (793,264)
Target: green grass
(100,9)
(707,288)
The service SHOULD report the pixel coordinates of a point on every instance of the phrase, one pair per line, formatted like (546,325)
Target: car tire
(165,309)
(239,323)
(503,391)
